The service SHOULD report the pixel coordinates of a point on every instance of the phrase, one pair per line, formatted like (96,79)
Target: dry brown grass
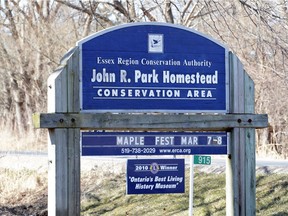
(20,185)
(22,192)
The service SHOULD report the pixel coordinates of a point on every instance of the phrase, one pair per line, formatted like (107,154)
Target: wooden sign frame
(64,122)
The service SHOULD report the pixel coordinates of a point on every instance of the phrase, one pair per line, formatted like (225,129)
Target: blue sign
(153,67)
(153,143)
(152,176)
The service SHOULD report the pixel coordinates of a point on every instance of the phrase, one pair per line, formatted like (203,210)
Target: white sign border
(97,34)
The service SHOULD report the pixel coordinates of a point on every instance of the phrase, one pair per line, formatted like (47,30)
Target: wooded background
(35,34)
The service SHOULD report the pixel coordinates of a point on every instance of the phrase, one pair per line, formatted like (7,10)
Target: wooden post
(64,143)
(240,166)
(250,151)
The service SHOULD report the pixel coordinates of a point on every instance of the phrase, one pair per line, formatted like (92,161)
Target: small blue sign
(153,143)
(153,67)
(155,176)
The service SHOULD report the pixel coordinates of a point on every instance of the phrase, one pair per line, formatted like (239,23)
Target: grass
(272,195)
(104,193)
(20,185)
(22,192)
(108,197)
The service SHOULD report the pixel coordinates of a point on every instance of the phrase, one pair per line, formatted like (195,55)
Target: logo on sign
(155,43)
(154,167)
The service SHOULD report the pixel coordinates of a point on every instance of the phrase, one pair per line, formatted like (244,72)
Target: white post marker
(191,185)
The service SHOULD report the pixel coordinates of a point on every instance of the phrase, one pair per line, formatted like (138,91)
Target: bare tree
(28,52)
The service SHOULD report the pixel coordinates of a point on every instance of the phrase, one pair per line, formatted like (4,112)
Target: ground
(23,180)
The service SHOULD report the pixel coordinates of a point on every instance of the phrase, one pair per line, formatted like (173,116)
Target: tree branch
(168,12)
